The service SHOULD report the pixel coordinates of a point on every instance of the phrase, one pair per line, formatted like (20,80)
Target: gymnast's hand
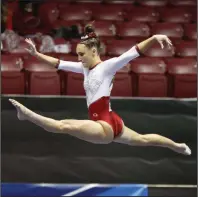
(162,40)
(32,48)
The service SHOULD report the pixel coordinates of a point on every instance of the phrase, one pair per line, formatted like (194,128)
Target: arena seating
(143,14)
(122,83)
(76,13)
(175,15)
(118,47)
(182,74)
(149,77)
(190,31)
(186,49)
(120,25)
(133,30)
(74,84)
(105,29)
(105,14)
(42,79)
(153,3)
(12,75)
(172,30)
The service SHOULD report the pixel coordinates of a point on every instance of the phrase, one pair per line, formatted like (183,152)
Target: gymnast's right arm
(59,64)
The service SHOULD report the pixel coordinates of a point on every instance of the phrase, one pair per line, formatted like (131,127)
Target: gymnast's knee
(65,127)
(143,140)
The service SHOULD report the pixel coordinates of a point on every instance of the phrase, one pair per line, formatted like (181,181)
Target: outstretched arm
(32,50)
(117,63)
(59,64)
(146,44)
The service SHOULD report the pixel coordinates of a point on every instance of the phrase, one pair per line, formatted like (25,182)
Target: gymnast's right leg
(86,130)
(130,137)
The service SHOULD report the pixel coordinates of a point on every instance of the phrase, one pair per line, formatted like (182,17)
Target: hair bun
(89,29)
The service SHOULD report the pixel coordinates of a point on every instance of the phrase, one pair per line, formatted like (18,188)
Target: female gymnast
(104,126)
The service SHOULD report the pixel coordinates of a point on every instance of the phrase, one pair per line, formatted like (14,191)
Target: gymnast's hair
(91,39)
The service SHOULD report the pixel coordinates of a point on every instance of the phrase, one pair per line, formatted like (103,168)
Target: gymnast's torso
(98,81)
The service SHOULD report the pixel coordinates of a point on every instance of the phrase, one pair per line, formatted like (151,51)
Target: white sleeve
(70,66)
(117,63)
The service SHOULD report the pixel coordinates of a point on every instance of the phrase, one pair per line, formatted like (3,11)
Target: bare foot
(21,110)
(183,149)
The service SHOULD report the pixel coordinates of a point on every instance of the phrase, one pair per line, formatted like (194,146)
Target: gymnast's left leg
(133,138)
(87,130)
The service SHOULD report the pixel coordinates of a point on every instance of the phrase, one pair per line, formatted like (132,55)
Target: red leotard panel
(99,110)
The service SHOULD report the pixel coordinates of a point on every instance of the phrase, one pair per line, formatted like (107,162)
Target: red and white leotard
(98,85)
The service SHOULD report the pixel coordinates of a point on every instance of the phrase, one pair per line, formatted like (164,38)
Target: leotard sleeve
(117,63)
(70,66)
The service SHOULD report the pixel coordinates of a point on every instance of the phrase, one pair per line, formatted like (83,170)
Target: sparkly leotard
(98,85)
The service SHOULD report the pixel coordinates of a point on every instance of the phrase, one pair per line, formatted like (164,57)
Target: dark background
(30,154)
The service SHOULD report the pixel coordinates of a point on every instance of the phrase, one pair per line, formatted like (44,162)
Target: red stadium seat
(12,77)
(193,11)
(122,79)
(11,63)
(153,3)
(75,13)
(157,51)
(133,29)
(65,23)
(68,78)
(125,5)
(143,14)
(105,29)
(149,77)
(190,31)
(63,74)
(91,6)
(183,77)
(63,4)
(118,47)
(172,30)
(109,14)
(183,2)
(48,13)
(42,78)
(24,19)
(73,46)
(74,84)
(186,49)
(175,15)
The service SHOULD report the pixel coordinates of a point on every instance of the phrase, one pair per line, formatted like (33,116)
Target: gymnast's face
(86,55)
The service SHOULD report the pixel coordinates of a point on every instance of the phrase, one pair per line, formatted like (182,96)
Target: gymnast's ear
(94,50)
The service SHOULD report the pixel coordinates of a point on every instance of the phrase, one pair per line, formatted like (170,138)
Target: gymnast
(104,125)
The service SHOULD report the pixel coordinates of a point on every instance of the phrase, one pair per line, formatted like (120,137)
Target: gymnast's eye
(81,54)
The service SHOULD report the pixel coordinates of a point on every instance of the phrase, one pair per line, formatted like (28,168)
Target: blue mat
(19,189)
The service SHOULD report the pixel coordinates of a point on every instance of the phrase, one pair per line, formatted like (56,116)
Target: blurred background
(156,92)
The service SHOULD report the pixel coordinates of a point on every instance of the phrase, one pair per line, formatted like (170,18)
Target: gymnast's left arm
(117,63)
